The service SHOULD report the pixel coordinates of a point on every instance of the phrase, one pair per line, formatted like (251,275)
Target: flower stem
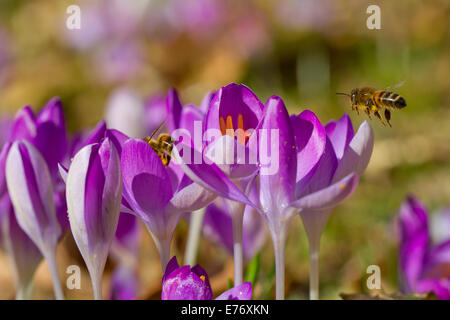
(237,218)
(50,256)
(314,223)
(24,291)
(195,228)
(278,246)
(97,286)
(314,269)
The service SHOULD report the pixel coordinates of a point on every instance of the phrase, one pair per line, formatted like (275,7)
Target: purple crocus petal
(411,261)
(31,192)
(211,177)
(340,133)
(185,284)
(323,174)
(24,125)
(23,254)
(174,109)
(124,284)
(96,135)
(231,101)
(127,231)
(413,219)
(6,125)
(93,192)
(217,225)
(357,155)
(437,261)
(145,180)
(3,155)
(277,188)
(190,198)
(310,138)
(63,171)
(61,211)
(117,138)
(155,112)
(171,266)
(441,287)
(328,197)
(240,292)
(204,105)
(191,115)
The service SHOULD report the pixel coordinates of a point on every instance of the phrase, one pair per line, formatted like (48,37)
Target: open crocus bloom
(186,283)
(158,195)
(424,267)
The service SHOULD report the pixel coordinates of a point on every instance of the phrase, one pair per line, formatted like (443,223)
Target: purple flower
(423,266)
(124,284)
(186,283)
(226,167)
(94,189)
(46,131)
(158,195)
(23,254)
(30,188)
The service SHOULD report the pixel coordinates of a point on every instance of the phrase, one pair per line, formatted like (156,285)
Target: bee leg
(378,115)
(387,116)
(367,110)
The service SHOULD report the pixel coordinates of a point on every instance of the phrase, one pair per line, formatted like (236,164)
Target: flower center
(203,278)
(227,128)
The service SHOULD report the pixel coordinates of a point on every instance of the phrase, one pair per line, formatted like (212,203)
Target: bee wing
(396,86)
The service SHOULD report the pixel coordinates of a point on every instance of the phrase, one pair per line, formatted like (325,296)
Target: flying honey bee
(370,100)
(162,145)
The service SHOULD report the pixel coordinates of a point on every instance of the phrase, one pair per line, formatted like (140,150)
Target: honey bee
(371,100)
(162,145)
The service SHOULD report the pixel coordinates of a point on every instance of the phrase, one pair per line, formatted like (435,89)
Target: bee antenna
(343,94)
(157,129)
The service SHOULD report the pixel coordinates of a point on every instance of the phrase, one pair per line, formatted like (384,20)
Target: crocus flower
(424,266)
(233,116)
(158,195)
(30,188)
(147,190)
(23,254)
(94,189)
(186,283)
(329,167)
(46,131)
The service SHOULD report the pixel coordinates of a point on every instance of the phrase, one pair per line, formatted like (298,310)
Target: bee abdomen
(389,99)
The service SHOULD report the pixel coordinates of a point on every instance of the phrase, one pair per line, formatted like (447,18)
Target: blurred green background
(303,50)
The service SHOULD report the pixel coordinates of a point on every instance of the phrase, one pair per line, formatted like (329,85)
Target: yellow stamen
(240,122)
(230,129)
(222,125)
(203,278)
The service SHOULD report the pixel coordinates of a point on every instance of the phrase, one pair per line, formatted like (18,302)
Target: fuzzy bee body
(374,101)
(163,146)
